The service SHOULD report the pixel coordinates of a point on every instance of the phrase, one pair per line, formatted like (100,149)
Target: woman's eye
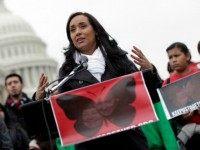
(83,26)
(72,29)
(176,55)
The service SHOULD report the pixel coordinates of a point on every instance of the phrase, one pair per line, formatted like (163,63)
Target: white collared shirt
(96,63)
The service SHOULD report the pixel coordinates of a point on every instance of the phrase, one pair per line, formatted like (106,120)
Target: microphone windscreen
(84,59)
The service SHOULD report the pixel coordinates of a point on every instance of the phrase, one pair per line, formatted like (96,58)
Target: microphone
(84,61)
(82,65)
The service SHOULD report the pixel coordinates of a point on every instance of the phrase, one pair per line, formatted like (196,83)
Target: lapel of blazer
(85,75)
(108,74)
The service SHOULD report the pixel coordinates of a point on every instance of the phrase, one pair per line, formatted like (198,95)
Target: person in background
(198,47)
(106,60)
(187,126)
(16,123)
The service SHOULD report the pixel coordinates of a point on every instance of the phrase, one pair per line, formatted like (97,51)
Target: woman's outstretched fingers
(140,59)
(43,82)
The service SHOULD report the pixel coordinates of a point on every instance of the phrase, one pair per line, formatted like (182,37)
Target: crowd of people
(106,60)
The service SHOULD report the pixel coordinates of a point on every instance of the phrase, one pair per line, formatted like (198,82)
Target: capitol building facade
(22,52)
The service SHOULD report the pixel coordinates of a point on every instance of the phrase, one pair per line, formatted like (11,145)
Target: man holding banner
(92,111)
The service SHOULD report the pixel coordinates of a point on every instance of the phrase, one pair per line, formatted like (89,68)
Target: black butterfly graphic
(90,115)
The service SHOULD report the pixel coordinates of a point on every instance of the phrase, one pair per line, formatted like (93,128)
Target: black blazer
(131,139)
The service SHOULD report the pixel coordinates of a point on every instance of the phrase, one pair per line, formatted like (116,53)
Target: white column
(35,77)
(19,50)
(1,53)
(30,76)
(26,77)
(17,71)
(49,73)
(11,52)
(41,70)
(46,72)
(6,52)
(37,71)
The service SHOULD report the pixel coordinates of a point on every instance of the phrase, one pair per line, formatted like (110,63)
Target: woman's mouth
(176,66)
(80,40)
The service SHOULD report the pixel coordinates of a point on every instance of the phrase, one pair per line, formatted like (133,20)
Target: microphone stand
(80,67)
(77,69)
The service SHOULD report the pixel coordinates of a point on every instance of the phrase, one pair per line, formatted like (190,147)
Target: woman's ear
(188,55)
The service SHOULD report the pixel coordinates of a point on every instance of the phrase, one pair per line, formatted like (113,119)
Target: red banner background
(144,111)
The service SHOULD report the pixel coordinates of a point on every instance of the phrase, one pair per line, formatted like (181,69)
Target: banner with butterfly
(182,96)
(102,109)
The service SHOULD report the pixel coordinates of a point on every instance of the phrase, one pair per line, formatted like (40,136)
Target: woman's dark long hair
(182,47)
(105,42)
(169,68)
(102,37)
(198,47)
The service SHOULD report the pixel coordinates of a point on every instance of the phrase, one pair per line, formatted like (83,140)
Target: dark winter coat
(5,140)
(16,124)
(116,65)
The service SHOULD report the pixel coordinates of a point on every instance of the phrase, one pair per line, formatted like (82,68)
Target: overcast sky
(152,25)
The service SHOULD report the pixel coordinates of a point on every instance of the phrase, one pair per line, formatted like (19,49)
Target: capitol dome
(22,51)
(2,89)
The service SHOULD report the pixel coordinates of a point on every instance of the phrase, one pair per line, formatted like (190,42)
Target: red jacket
(193,68)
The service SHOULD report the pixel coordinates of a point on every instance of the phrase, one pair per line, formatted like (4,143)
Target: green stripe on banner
(60,147)
(160,134)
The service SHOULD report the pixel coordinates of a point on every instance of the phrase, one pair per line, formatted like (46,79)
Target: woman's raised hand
(43,82)
(140,59)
